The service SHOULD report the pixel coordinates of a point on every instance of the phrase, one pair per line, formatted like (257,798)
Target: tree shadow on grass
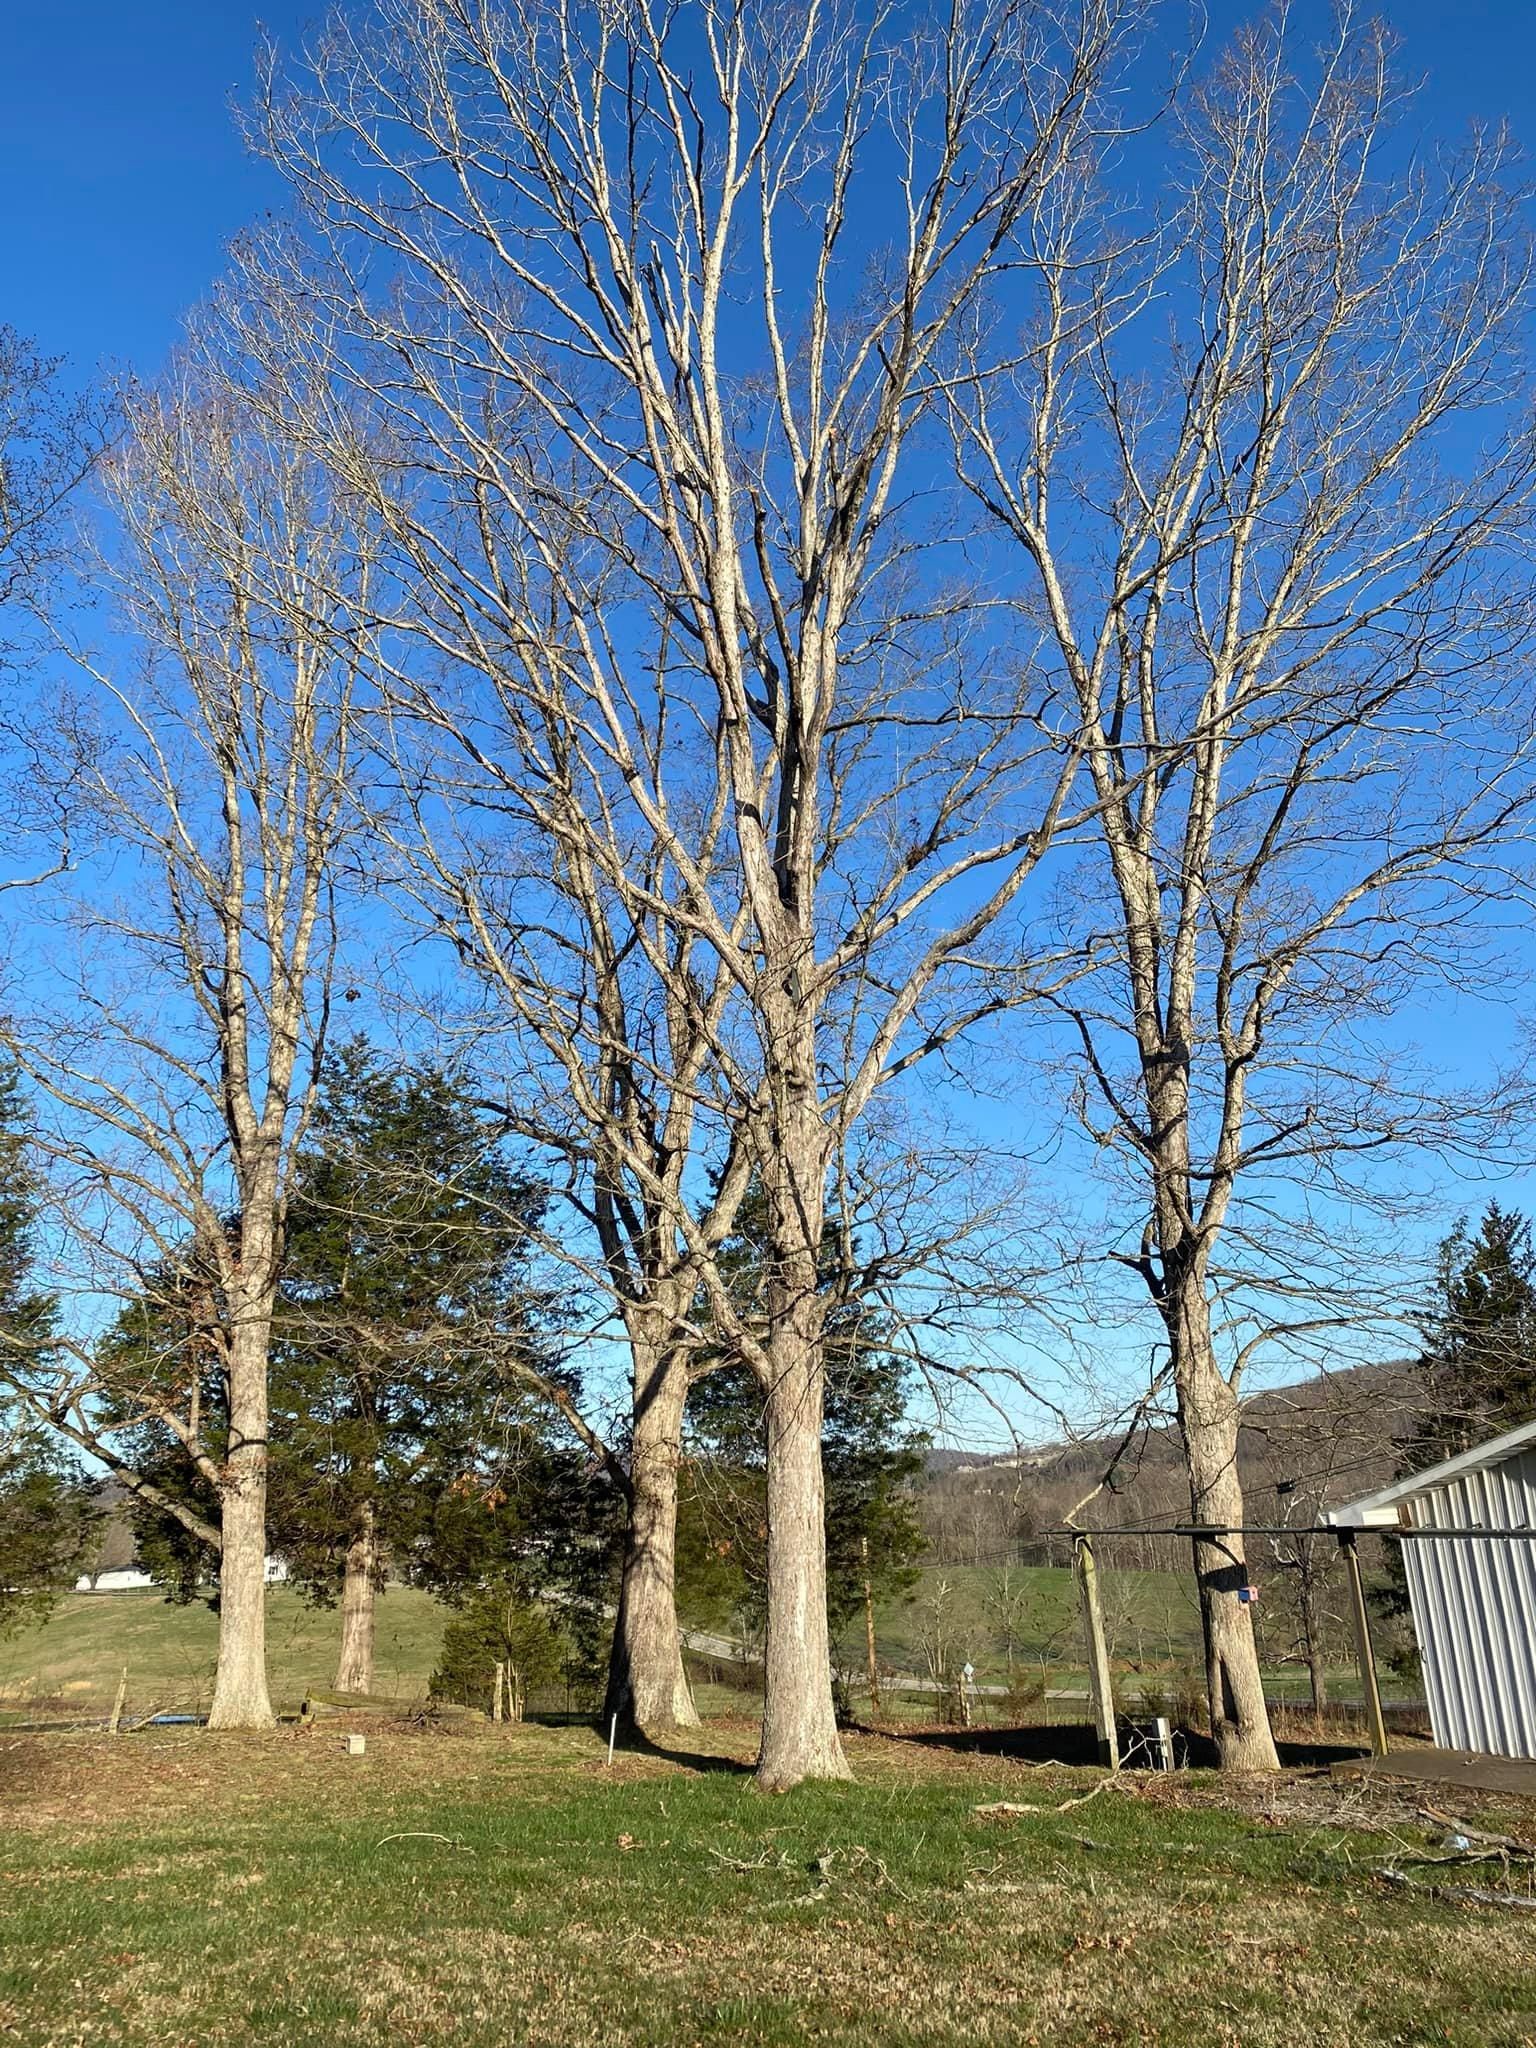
(683,1747)
(1076,1744)
(1066,1744)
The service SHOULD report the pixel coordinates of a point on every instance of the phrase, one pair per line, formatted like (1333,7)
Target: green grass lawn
(75,1658)
(79,1652)
(208,1891)
(1149,1617)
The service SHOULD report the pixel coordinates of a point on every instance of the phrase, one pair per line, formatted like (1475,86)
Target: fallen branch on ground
(1461,1894)
(1003,1809)
(426,1835)
(1459,1827)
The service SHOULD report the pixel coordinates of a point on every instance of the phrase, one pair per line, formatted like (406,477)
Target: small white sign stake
(613,1736)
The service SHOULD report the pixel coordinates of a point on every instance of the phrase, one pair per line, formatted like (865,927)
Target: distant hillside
(1302,1449)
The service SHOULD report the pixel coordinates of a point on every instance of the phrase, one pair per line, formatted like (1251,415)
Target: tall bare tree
(1270,488)
(171,1014)
(49,442)
(599,1010)
(659,301)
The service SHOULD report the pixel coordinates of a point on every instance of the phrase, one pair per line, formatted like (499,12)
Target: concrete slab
(1515,1776)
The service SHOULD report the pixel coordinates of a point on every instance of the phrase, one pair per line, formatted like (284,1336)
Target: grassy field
(507,1888)
(1151,1624)
(1149,1617)
(77,1655)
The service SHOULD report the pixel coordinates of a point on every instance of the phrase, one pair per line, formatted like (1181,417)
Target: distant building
(130,1579)
(1473,1598)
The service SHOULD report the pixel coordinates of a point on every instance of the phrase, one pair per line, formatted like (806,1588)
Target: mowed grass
(1149,1617)
(78,1654)
(506,1887)
(76,1657)
(1151,1625)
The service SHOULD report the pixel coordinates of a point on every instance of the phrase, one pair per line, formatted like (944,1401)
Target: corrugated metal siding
(1474,1609)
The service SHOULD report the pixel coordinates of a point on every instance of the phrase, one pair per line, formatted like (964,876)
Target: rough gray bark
(647,1684)
(1208,1422)
(240,1697)
(359,1598)
(800,1738)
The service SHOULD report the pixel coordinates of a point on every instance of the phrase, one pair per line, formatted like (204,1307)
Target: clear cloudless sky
(123,178)
(122,175)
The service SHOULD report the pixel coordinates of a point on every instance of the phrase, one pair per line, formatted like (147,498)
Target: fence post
(1363,1648)
(1098,1655)
(1162,1741)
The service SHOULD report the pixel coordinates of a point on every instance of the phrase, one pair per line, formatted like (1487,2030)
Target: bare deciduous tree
(669,296)
(174,1008)
(49,443)
(1269,485)
(50,440)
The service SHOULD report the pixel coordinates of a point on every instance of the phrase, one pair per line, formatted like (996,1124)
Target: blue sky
(122,177)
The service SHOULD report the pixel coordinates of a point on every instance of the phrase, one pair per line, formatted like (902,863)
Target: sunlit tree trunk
(240,1697)
(647,1684)
(800,1738)
(1208,1421)
(359,1598)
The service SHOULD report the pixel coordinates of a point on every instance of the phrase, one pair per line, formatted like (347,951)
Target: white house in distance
(1473,1597)
(129,1579)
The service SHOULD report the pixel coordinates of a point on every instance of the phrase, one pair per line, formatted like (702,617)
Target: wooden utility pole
(1363,1648)
(869,1631)
(1098,1654)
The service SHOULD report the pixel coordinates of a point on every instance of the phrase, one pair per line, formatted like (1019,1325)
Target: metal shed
(1474,1602)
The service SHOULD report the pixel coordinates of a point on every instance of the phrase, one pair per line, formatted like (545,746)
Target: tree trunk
(800,1738)
(240,1698)
(359,1594)
(1208,1419)
(647,1684)
(870,1658)
(1312,1637)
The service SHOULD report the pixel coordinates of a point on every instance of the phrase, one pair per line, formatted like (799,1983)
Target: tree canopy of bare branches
(653,309)
(1266,469)
(175,1004)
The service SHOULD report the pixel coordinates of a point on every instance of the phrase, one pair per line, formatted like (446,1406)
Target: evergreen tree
(47,1515)
(408,1326)
(1477,1368)
(503,1625)
(48,1519)
(870,1456)
(1478,1363)
(408,1435)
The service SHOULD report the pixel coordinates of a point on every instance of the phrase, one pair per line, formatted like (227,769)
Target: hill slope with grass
(77,1656)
